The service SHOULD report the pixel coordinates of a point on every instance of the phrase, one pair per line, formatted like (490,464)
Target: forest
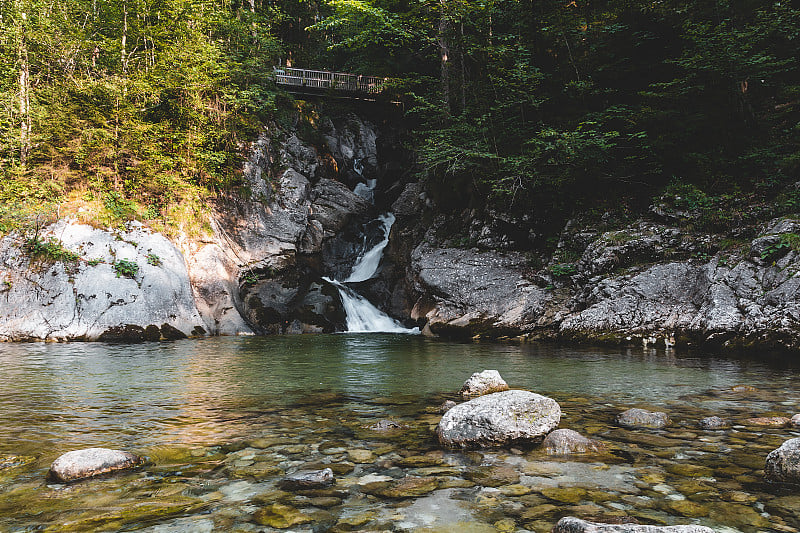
(143,109)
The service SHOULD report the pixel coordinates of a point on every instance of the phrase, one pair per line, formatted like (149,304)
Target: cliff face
(650,281)
(258,272)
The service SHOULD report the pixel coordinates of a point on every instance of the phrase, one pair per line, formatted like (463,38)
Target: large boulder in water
(570,524)
(498,419)
(481,383)
(783,463)
(82,464)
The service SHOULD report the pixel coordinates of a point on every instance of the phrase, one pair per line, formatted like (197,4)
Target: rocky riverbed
(233,469)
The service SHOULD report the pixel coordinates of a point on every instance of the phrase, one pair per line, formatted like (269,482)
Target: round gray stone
(498,419)
(82,464)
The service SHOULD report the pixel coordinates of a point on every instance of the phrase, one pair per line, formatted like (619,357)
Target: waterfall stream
(362,316)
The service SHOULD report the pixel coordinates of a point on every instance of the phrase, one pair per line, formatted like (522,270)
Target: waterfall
(362,316)
(364,190)
(367,264)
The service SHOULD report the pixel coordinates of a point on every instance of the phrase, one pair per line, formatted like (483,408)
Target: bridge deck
(304,79)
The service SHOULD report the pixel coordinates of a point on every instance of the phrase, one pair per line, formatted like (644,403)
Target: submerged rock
(82,464)
(481,383)
(642,418)
(307,479)
(771,421)
(409,487)
(493,476)
(570,524)
(567,441)
(795,421)
(280,516)
(449,404)
(386,425)
(499,418)
(713,422)
(783,463)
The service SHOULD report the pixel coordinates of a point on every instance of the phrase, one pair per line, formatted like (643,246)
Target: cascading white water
(362,316)
(367,264)
(364,190)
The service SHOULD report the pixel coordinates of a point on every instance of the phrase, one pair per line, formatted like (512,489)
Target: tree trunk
(444,51)
(463,72)
(123,52)
(24,95)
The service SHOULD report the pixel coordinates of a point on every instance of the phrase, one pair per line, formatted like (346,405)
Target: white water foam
(363,317)
(367,265)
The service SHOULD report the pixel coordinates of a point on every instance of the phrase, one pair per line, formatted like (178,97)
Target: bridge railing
(323,79)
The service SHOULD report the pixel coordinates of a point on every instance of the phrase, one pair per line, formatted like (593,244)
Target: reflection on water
(192,405)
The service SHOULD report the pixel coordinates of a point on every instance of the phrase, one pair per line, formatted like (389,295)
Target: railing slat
(324,79)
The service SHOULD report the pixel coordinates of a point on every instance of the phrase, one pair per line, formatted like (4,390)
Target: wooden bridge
(322,81)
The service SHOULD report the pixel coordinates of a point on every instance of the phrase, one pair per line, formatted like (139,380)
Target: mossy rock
(686,508)
(565,494)
(493,476)
(280,516)
(419,461)
(687,470)
(351,522)
(409,487)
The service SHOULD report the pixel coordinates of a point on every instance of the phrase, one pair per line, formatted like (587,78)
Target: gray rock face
(89,299)
(713,422)
(642,418)
(498,419)
(275,304)
(307,479)
(481,383)
(351,138)
(643,282)
(783,463)
(569,442)
(200,284)
(82,464)
(569,524)
(334,205)
(469,292)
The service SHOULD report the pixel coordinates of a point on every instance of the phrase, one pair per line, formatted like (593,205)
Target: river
(221,420)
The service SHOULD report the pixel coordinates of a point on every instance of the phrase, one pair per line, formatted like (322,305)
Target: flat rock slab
(481,383)
(82,464)
(498,419)
(641,418)
(570,524)
(783,463)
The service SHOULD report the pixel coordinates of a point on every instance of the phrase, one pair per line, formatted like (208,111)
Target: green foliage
(563,270)
(153,259)
(124,267)
(788,241)
(49,250)
(147,115)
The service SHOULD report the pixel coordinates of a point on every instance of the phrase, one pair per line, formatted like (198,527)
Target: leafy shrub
(153,259)
(50,249)
(126,268)
(563,269)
